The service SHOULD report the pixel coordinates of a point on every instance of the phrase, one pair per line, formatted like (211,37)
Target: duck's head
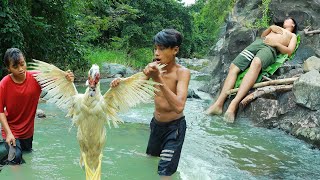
(93,79)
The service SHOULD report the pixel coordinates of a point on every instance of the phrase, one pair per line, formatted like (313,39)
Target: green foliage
(138,58)
(74,33)
(264,21)
(155,16)
(99,56)
(128,25)
(43,30)
(10,32)
(208,17)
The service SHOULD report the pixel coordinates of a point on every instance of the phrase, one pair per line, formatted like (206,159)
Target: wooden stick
(264,90)
(306,31)
(267,83)
(266,78)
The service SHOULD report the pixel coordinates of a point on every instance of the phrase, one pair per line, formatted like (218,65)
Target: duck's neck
(96,95)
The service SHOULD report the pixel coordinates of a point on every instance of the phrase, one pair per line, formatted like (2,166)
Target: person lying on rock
(258,55)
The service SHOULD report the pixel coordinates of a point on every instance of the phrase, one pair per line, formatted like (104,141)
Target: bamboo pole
(267,83)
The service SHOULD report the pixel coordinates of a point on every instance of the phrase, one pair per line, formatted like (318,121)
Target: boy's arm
(4,123)
(276,29)
(176,101)
(273,28)
(290,49)
(266,32)
(285,49)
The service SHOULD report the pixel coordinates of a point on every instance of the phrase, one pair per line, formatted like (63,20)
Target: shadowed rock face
(279,110)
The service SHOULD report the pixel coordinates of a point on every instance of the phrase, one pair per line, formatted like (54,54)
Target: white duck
(91,111)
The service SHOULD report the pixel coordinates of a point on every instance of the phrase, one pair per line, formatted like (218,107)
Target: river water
(213,149)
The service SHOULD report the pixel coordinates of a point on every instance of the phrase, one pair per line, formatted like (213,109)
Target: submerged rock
(40,113)
(192,94)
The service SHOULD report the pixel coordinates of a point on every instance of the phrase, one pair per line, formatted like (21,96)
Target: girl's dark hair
(295,29)
(168,38)
(12,55)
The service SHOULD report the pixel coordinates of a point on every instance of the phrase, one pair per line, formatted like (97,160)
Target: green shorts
(265,53)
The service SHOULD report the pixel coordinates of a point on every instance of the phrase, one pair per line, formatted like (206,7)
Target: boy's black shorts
(165,141)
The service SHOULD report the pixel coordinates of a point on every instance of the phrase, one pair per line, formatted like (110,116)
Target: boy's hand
(115,82)
(269,42)
(151,70)
(70,76)
(276,29)
(10,139)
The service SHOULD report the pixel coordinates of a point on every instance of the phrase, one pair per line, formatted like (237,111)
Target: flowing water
(213,149)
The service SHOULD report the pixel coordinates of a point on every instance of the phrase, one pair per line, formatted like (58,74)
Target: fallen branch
(306,31)
(264,90)
(266,78)
(267,83)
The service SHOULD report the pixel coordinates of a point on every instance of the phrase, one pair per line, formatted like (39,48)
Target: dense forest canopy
(66,32)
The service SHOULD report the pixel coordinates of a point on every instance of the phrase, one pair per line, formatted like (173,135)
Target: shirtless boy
(258,55)
(168,125)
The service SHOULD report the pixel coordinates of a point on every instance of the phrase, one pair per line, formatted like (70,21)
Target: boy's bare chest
(283,38)
(170,81)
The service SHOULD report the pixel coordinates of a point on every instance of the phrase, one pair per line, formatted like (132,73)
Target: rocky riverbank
(297,111)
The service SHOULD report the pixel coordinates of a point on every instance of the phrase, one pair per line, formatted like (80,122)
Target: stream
(213,149)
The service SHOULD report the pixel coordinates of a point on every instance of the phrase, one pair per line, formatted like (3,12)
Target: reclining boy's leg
(216,108)
(248,81)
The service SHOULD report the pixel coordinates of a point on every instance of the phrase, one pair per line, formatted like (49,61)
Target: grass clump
(136,59)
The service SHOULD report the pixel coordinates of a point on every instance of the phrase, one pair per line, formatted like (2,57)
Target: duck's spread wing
(54,83)
(130,92)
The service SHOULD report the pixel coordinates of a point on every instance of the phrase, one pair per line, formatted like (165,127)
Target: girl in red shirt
(19,95)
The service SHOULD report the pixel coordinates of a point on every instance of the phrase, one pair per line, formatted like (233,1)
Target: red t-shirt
(20,101)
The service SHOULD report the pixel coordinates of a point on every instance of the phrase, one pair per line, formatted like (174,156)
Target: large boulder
(264,110)
(305,12)
(110,70)
(307,90)
(280,111)
(312,63)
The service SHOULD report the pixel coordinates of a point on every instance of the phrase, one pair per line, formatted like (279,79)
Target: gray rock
(194,63)
(111,69)
(307,90)
(115,70)
(312,63)
(192,94)
(263,110)
(40,113)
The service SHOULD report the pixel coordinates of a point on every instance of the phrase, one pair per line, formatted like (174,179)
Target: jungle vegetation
(72,34)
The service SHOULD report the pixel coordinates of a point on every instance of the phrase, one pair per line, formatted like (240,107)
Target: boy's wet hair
(168,38)
(12,55)
(295,29)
